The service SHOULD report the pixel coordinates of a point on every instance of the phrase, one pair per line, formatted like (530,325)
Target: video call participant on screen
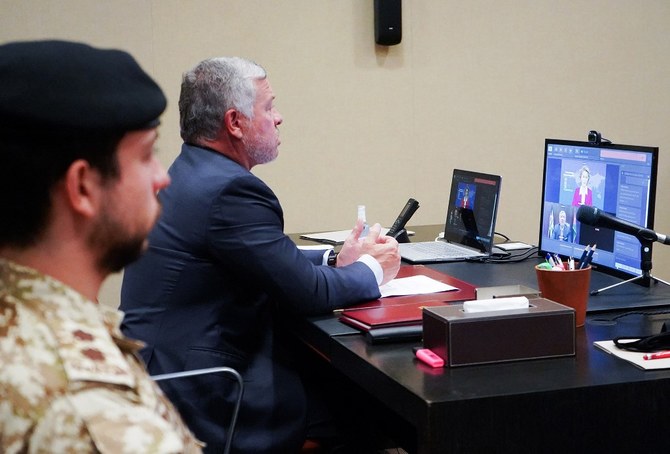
(563,231)
(583,194)
(465,202)
(220,269)
(78,180)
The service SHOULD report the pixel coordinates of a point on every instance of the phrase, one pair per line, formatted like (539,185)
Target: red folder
(406,310)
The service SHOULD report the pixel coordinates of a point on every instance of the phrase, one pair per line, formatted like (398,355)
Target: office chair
(213,370)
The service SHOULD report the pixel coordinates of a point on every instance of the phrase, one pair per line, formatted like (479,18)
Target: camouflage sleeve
(66,386)
(103,420)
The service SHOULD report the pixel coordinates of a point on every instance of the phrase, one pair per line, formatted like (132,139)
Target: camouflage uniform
(69,381)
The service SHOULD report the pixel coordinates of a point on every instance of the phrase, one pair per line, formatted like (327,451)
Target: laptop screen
(473,205)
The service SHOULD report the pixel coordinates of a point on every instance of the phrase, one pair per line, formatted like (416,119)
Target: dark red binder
(406,310)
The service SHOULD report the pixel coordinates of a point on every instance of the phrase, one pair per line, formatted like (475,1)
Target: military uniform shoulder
(65,382)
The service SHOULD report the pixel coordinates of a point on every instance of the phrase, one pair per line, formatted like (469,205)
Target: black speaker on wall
(388,22)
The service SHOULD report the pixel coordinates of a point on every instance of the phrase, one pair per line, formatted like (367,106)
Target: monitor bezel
(651,150)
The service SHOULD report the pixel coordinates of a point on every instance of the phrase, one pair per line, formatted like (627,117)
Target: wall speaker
(388,22)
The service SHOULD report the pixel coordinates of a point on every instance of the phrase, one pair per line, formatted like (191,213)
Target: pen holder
(568,287)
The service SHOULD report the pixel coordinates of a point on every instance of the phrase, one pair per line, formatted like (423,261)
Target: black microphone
(597,218)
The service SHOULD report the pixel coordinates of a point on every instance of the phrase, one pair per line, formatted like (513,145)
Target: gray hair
(210,89)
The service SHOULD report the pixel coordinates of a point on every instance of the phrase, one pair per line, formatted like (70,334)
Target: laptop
(470,223)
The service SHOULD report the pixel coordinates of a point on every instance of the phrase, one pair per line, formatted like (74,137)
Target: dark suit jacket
(567,232)
(206,294)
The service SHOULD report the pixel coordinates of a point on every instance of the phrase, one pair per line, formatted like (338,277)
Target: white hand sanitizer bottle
(361,215)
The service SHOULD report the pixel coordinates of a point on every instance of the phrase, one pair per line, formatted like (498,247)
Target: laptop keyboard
(431,249)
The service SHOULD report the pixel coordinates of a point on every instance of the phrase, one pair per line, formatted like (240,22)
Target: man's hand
(382,248)
(351,249)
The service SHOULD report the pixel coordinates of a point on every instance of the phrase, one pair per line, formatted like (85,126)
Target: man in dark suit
(563,231)
(219,267)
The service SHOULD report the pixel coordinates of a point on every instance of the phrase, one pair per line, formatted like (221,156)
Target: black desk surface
(590,402)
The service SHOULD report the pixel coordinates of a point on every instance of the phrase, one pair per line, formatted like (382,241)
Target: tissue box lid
(502,291)
(455,313)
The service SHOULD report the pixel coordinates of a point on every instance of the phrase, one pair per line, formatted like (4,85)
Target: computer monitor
(618,179)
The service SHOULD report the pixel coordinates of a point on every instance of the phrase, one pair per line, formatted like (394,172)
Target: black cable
(511,258)
(613,320)
(507,240)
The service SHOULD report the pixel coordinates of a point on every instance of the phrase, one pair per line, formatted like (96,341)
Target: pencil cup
(569,288)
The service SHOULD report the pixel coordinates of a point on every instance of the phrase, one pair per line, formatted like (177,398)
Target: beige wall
(475,84)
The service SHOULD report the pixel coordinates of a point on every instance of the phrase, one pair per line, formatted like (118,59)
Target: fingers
(391,266)
(374,233)
(358,227)
(384,239)
(355,232)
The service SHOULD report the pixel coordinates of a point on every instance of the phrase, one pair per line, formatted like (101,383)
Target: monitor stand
(646,277)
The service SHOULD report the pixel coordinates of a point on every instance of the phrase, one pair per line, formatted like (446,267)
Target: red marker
(659,355)
(427,356)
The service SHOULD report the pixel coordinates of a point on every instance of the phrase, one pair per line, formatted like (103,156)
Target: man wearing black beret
(78,184)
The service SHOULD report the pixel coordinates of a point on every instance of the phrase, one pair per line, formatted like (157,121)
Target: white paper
(414,285)
(337,236)
(496,304)
(513,246)
(636,358)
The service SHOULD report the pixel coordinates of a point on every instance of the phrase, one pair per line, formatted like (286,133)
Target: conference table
(591,401)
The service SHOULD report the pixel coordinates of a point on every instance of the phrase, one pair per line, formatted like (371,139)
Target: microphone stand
(646,237)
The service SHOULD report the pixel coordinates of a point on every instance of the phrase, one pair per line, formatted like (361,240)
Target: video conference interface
(472,209)
(620,180)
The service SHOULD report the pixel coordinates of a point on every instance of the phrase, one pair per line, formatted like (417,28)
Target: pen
(558,262)
(658,355)
(589,257)
(571,263)
(583,257)
(550,260)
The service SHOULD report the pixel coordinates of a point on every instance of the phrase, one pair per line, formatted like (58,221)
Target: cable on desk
(613,320)
(511,258)
(507,240)
(508,258)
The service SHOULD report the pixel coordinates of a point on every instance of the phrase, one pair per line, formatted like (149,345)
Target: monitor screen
(618,179)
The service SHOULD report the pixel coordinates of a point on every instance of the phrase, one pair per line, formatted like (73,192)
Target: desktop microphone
(597,218)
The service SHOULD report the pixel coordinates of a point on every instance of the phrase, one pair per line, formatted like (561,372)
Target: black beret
(73,86)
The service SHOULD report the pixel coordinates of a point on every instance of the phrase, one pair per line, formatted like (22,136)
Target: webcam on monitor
(596,138)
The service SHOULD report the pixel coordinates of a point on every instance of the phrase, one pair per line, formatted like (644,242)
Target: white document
(636,358)
(337,236)
(515,246)
(414,285)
